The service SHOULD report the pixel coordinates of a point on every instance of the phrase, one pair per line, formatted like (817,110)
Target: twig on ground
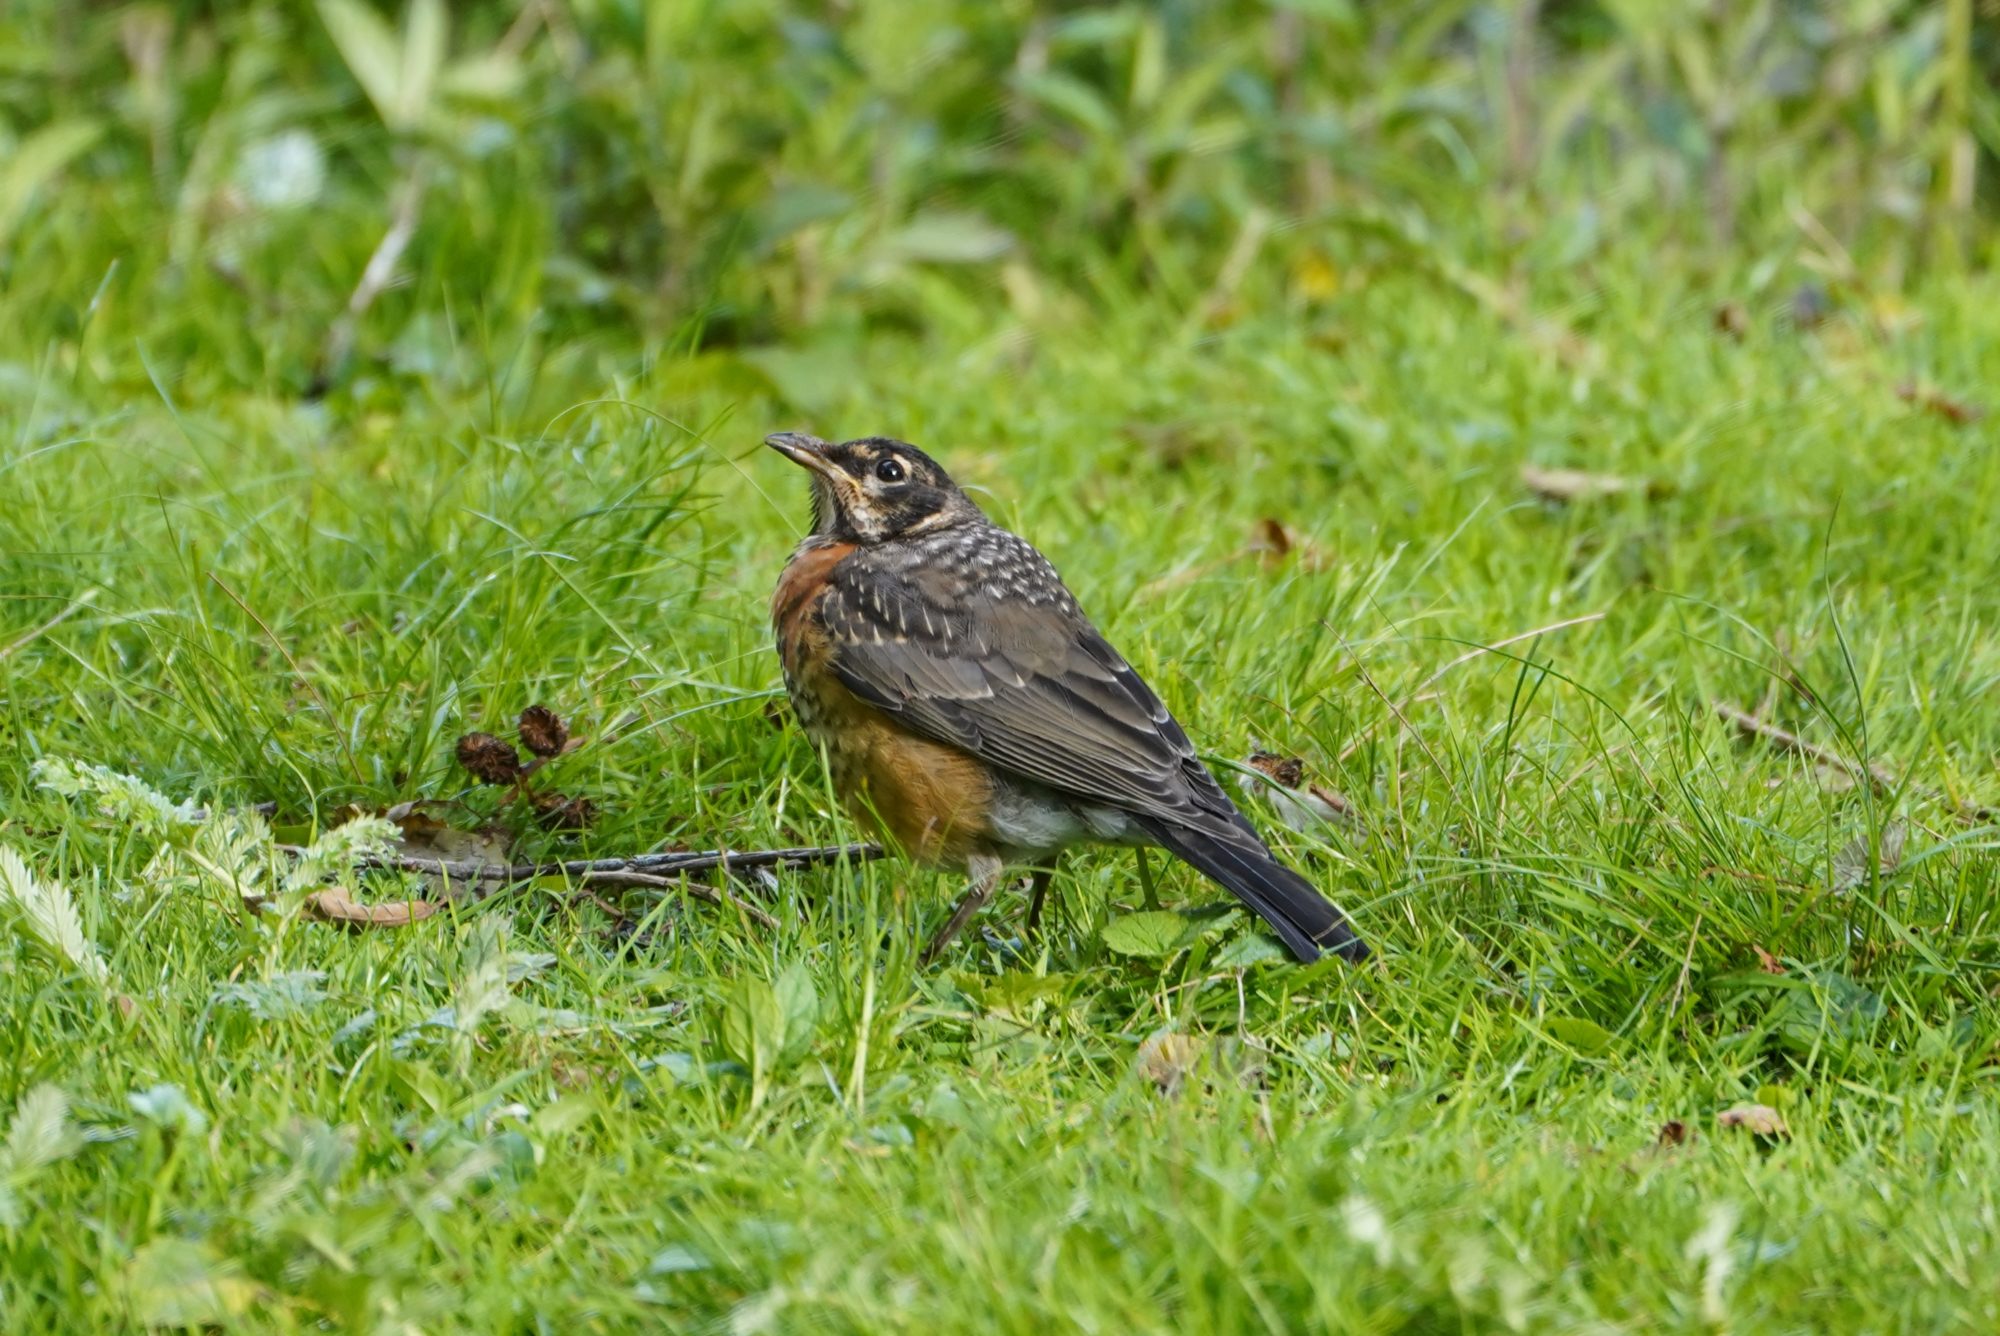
(1751,726)
(656,864)
(667,871)
(29,637)
(376,277)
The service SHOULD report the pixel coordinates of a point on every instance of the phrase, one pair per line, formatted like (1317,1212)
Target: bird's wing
(988,652)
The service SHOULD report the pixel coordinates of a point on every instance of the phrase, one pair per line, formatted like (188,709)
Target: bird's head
(873,489)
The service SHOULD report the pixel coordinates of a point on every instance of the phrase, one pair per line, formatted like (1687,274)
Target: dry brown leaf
(1758,1119)
(558,812)
(1565,486)
(335,905)
(1851,865)
(1287,770)
(434,839)
(1271,538)
(1930,399)
(425,836)
(1176,444)
(1272,541)
(1301,805)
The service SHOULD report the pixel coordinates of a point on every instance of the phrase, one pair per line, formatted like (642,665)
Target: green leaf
(1252,948)
(1149,934)
(676,1258)
(37,158)
(371,53)
(1073,99)
(423,56)
(562,1116)
(169,1106)
(1015,992)
(753,1030)
(946,237)
(1829,1009)
(798,1000)
(481,986)
(493,77)
(1586,1037)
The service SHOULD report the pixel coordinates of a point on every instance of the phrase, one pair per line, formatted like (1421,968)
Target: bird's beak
(804,450)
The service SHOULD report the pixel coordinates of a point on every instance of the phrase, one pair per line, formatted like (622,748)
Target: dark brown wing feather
(971,639)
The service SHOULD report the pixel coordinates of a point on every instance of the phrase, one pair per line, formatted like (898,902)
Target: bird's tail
(1305,921)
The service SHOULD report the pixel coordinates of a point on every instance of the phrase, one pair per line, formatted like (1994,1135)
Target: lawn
(1679,1018)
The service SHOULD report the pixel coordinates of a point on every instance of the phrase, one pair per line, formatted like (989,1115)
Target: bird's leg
(1146,887)
(1043,875)
(985,870)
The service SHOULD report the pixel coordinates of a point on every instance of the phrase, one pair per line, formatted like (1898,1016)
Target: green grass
(1117,299)
(1567,868)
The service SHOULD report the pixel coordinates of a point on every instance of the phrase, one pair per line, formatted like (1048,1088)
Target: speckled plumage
(971,711)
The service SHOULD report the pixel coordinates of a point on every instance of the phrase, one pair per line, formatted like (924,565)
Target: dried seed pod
(489,759)
(542,731)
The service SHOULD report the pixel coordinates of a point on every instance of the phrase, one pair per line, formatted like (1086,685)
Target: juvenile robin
(971,713)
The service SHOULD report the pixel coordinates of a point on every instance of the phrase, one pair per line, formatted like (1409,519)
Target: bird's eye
(889,471)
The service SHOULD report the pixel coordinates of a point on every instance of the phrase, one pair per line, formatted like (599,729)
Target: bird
(973,716)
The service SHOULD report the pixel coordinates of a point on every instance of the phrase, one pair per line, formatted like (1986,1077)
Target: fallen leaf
(1757,1119)
(335,905)
(1271,537)
(1851,865)
(1767,962)
(1565,486)
(1300,805)
(1166,1057)
(422,835)
(1176,444)
(489,759)
(1273,541)
(1933,400)
(425,836)
(1673,1132)
(557,812)
(543,731)
(1287,770)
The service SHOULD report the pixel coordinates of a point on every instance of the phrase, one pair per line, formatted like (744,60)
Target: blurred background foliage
(753,174)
